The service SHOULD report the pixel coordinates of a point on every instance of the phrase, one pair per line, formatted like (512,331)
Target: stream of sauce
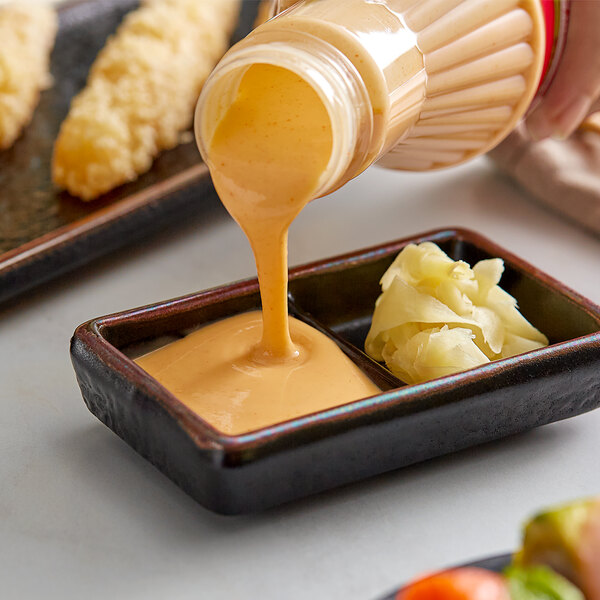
(267,156)
(246,372)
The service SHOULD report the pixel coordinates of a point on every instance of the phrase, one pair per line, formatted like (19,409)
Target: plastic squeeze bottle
(413,84)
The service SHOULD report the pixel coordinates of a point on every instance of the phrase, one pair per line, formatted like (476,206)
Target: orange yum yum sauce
(266,158)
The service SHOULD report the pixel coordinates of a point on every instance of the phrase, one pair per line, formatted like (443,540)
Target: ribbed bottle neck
(323,67)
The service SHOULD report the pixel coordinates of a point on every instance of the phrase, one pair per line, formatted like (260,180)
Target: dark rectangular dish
(45,232)
(401,426)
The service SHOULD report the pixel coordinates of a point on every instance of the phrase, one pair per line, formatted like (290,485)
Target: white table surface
(83,516)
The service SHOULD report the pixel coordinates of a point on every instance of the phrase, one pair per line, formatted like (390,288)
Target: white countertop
(83,516)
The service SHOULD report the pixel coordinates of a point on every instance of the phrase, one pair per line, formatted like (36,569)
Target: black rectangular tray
(44,232)
(401,426)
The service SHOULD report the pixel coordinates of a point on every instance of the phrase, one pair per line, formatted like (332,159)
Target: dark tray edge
(152,209)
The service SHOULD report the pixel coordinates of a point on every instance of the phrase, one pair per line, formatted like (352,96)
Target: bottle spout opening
(325,70)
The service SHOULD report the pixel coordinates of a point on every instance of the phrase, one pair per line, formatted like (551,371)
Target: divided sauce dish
(402,425)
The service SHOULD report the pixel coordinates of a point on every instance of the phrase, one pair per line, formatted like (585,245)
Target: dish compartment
(342,299)
(136,338)
(403,425)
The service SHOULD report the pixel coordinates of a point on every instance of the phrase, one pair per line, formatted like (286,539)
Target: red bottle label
(549,8)
(556,17)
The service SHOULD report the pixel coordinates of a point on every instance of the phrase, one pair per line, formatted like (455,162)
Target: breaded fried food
(27,34)
(140,93)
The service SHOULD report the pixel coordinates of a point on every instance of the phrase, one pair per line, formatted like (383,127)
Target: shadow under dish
(403,425)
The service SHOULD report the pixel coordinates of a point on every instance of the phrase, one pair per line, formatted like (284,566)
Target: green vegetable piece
(539,583)
(553,538)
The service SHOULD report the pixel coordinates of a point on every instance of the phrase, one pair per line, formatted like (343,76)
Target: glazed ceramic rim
(209,438)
